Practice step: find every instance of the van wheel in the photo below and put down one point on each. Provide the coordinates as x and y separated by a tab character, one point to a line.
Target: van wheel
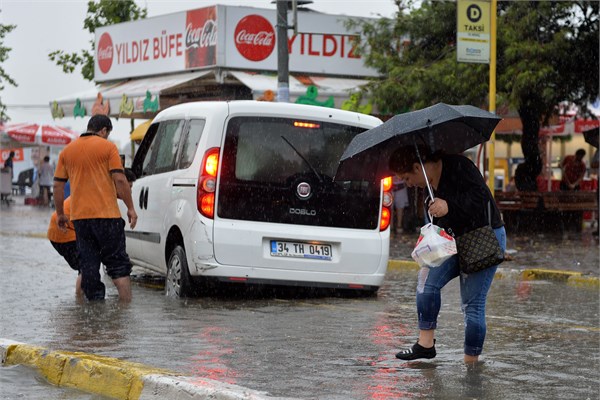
178	282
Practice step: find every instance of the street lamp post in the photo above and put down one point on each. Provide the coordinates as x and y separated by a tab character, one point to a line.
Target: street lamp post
283	72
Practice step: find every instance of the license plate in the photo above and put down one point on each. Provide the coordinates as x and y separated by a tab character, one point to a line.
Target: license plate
319	251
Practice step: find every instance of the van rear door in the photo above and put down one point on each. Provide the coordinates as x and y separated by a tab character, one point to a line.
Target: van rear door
276	188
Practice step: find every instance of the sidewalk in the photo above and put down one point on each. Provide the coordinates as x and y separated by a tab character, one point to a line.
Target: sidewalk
574	253
119	379
571	254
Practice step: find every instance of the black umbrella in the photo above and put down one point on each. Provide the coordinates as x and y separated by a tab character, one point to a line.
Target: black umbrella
591	136
452	129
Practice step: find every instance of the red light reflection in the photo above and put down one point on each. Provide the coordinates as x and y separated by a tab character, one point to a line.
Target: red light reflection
209	362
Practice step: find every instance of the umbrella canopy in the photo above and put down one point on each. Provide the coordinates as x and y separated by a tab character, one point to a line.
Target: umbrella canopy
34	134
592	136
449	128
140	131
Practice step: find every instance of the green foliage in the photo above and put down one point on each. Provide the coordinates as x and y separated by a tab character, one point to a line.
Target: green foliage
415	54
101	13
4	77
547	52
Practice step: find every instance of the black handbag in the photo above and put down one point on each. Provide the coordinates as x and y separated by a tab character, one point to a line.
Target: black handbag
479	249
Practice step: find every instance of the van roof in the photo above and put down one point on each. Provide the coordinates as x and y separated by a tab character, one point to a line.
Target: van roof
253	107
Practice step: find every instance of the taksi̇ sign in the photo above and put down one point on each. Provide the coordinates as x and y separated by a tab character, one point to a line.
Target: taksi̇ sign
473	31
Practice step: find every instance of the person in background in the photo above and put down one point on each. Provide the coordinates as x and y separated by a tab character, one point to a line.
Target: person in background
511	186
460	204
46	176
8	163
400	202
573	171
93	166
594	166
65	243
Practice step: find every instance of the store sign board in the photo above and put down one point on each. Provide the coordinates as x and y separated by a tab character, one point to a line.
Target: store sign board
473	31
329	52
223	36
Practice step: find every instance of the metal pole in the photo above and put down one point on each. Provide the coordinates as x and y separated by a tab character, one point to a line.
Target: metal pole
132	143
283	80
492	142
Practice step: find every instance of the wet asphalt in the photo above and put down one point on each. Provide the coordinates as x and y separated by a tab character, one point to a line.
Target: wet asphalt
543	337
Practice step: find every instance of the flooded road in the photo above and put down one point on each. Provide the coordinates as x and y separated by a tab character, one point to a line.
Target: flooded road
542	342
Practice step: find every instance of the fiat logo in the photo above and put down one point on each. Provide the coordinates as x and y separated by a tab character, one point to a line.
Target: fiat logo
304	190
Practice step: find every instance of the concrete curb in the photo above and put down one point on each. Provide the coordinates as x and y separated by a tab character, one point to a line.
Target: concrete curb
36	235
569	277
118	379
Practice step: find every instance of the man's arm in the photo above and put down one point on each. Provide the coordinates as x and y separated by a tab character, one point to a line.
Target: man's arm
124	193
581	175
59	197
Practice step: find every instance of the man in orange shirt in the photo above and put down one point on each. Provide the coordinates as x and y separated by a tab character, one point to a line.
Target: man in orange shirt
65	243
94	167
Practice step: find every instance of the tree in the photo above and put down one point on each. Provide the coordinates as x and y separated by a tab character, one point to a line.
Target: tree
547	53
4	77
102	13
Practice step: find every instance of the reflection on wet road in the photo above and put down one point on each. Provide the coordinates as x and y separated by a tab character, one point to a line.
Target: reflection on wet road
542	336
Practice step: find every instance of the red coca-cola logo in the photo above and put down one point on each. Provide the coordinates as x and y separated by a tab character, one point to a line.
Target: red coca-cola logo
105	53
254	38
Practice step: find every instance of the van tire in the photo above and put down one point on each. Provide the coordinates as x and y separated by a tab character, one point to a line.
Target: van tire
178	282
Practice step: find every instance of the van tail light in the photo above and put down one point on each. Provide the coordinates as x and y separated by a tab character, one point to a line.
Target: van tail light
207	182
387	200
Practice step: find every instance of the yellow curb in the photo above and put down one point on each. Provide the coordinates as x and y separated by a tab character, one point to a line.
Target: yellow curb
398	265
570	277
36	235
586	281
102	375
548	274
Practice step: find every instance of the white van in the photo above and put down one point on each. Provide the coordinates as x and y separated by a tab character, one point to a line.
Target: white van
243	191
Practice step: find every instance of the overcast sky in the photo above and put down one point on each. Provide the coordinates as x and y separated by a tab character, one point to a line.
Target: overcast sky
47	25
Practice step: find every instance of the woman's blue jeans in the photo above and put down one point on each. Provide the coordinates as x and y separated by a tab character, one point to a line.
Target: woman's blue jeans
473	293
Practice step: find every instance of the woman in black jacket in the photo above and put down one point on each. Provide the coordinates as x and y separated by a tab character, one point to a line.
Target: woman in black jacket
460	205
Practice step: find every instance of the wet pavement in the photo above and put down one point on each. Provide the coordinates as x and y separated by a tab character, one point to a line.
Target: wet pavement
570	251
543	337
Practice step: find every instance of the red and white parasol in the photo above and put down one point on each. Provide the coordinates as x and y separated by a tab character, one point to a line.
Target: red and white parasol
50	135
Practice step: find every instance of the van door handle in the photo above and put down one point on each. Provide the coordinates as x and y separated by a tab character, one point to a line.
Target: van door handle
141	200
146	198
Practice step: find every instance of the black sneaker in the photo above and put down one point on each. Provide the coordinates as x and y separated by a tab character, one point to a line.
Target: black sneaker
416	352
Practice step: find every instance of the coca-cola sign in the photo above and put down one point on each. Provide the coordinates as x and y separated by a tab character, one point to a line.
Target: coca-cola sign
254	37
201	37
105	53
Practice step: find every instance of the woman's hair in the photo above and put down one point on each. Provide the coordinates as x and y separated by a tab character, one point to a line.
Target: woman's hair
404	157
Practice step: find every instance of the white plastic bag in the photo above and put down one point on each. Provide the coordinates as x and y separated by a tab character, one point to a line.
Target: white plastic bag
433	247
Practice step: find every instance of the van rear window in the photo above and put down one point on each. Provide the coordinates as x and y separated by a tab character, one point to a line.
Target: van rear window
265	160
